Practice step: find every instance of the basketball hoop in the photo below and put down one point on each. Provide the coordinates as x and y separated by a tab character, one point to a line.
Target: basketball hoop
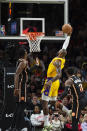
34	39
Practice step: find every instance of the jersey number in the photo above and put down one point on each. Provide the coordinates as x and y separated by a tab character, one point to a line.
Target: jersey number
81	88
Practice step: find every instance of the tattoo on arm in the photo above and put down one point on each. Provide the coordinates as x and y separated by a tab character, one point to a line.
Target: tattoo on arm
58	75
59	70
57	63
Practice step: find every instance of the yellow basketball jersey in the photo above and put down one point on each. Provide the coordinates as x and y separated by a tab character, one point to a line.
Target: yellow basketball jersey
51	72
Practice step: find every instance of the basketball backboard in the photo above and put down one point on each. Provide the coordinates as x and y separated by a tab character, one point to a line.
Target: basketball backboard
46	16
31	25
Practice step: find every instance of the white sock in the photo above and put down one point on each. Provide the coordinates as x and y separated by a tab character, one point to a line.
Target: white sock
46	120
65	109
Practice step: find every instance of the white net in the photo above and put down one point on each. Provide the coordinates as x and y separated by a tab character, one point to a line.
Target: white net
34	39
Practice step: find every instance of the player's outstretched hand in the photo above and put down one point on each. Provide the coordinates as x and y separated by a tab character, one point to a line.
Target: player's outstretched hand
69	34
67	28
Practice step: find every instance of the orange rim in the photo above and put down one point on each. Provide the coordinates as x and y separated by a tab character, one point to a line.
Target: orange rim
34	35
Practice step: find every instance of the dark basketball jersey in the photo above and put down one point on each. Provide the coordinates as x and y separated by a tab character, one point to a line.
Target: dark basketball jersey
77	89
22	79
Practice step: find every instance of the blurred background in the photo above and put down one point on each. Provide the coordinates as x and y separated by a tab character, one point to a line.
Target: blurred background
11	41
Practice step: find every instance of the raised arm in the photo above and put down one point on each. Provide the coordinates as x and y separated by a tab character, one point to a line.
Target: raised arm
66	43
66	28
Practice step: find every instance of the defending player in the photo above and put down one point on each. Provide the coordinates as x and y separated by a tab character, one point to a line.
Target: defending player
20	82
51	85
74	84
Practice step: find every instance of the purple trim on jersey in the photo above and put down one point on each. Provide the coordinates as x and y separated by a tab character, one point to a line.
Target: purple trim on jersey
46	92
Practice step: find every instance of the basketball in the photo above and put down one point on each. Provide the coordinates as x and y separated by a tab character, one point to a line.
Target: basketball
67	28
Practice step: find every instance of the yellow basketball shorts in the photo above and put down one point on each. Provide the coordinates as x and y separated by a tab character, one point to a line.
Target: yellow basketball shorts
53	90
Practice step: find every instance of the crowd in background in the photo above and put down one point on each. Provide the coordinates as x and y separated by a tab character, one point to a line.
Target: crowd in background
76	57
60	121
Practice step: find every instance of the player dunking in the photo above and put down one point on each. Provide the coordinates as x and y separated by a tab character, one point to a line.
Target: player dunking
74	84
51	85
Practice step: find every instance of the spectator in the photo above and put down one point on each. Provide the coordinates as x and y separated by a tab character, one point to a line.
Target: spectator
84	123
65	102
57	124
34	102
68	124
37	118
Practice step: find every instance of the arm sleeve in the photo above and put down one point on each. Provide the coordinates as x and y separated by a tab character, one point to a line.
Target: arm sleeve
66	43
65	92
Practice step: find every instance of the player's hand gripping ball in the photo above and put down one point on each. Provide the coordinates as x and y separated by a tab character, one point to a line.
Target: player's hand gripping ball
67	28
